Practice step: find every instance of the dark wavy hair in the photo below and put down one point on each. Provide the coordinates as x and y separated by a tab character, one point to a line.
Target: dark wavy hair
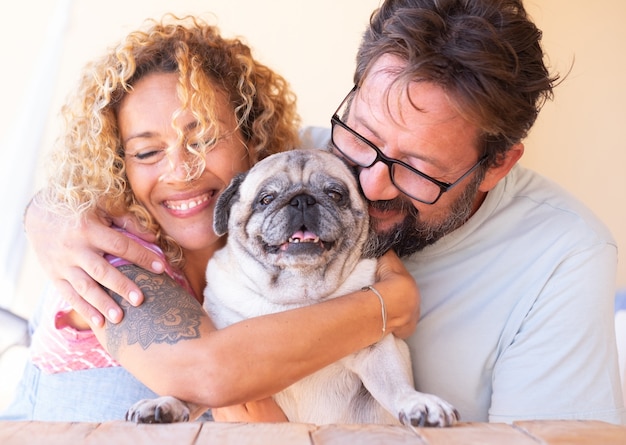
486	54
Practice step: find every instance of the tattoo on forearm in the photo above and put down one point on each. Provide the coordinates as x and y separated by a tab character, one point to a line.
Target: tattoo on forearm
168	314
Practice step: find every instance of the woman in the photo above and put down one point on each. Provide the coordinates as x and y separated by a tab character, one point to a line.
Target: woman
157	129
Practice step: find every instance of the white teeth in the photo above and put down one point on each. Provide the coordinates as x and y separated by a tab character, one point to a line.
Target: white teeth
298	240
186	205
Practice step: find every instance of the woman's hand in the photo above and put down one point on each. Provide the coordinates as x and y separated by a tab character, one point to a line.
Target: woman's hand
71	253
266	410
401	295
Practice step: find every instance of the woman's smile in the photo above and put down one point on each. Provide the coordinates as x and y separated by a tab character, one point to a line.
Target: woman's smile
189	206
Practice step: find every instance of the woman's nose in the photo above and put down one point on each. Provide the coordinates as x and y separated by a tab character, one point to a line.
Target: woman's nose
180	166
376	183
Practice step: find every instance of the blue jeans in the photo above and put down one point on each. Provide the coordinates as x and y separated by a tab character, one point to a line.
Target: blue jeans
92	395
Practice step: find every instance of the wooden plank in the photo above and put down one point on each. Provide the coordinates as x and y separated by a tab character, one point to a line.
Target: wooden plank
364	435
573	432
130	433
474	434
49	433
210	433
225	433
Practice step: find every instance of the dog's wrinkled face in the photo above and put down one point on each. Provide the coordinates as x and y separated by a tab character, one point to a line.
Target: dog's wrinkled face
299	209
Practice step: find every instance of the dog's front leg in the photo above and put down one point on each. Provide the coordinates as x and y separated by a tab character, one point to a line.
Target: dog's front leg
385	370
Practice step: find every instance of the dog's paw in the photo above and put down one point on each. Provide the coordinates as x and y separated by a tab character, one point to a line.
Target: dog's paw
160	410
427	410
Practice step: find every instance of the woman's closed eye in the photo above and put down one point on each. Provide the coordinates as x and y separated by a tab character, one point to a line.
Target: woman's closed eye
148	155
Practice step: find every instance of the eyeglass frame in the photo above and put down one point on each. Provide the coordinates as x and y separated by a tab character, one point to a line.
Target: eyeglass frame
381	157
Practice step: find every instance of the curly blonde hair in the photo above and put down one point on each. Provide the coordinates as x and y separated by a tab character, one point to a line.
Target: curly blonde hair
87	166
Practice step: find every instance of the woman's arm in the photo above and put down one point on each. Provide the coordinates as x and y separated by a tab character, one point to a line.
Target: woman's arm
170	344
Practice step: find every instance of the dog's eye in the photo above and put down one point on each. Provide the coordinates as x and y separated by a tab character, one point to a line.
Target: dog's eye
266	199
335	195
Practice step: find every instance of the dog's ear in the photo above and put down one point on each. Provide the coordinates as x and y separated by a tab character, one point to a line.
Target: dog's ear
224	202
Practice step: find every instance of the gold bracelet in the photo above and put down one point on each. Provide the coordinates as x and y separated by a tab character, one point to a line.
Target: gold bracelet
383	309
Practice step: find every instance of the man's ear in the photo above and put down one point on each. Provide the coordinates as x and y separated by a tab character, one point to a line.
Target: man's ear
496	172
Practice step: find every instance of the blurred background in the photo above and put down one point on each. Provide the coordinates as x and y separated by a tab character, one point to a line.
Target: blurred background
577	140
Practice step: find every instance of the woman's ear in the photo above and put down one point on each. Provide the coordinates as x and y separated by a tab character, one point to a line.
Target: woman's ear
499	171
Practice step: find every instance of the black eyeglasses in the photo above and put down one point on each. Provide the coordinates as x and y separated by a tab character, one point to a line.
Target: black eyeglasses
410	181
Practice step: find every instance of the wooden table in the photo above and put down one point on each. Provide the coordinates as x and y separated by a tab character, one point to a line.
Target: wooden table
122	433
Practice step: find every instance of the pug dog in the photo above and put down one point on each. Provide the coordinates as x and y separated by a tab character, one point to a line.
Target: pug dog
298	230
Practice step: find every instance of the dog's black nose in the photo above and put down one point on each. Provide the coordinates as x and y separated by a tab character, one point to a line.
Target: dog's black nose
302	202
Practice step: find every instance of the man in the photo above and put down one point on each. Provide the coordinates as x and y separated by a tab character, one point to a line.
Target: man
516	276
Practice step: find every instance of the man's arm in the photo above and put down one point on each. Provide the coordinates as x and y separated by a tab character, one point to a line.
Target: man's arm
71	253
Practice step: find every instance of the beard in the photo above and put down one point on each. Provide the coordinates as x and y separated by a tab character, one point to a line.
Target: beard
413	234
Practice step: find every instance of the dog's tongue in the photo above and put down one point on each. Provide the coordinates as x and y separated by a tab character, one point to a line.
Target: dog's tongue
301	238
304	235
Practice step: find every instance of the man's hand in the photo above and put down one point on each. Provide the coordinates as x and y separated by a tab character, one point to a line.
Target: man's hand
71	253
402	296
266	410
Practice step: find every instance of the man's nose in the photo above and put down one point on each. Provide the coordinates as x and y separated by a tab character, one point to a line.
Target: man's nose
376	183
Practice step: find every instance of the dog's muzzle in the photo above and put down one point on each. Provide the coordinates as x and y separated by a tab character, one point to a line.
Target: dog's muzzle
304	216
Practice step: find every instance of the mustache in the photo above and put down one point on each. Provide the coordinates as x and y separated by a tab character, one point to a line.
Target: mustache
400	204
397	238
